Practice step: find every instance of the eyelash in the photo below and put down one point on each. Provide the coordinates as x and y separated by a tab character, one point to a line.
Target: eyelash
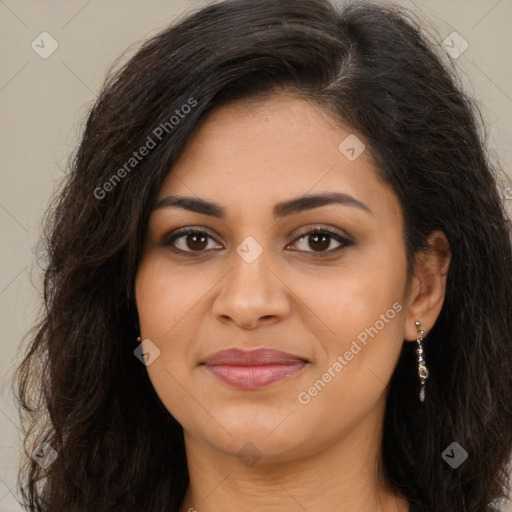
170	239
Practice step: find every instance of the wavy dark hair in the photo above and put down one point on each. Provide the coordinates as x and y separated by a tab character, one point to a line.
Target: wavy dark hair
370	66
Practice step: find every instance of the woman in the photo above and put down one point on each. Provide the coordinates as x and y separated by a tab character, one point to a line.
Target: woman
279	278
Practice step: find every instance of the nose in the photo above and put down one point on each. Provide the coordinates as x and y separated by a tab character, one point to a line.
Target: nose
252	294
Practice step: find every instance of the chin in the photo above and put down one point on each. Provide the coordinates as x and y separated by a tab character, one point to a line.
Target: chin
270	439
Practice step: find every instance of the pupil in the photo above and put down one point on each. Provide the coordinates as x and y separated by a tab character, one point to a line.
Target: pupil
323	245
202	244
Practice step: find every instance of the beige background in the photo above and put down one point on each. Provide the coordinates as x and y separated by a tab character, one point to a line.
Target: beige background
43	103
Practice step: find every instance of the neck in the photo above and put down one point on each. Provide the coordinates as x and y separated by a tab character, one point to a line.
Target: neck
335	478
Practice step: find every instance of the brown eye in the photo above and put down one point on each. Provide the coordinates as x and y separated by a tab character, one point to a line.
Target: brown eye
189	240
196	242
320	241
317	240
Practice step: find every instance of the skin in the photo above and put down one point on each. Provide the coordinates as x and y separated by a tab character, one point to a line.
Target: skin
246	157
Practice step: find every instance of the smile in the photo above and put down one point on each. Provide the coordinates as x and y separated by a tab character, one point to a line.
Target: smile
255	369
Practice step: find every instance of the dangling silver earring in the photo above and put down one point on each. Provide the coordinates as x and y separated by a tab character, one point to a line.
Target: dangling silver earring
138	339
422	368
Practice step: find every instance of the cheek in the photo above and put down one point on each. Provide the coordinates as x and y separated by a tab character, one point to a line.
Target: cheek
361	332
352	299
165	298
170	305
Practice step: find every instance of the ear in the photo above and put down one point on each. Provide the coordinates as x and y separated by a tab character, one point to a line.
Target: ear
428	285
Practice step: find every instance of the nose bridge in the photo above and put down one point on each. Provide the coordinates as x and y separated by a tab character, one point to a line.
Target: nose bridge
251	291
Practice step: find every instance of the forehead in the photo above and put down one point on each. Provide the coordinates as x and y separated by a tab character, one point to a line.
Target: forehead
252	154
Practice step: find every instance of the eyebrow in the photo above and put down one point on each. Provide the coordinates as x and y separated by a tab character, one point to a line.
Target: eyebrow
282	209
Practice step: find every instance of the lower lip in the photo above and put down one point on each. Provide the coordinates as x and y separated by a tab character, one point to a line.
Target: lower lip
254	377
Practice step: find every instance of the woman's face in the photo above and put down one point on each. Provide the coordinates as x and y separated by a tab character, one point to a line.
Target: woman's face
257	276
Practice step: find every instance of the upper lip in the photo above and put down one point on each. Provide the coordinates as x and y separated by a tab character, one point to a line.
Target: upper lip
256	357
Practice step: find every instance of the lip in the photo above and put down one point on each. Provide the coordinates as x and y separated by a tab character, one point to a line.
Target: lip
253	369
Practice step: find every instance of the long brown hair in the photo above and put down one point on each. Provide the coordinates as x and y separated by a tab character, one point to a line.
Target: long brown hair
80	387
